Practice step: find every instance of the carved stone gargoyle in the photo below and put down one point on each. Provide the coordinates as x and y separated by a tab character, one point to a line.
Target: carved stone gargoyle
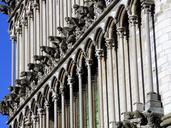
45	60
4	9
100	5
60	45
23	83
84	12
51	51
138	119
11	4
74	21
19	91
38	68
9	102
4	110
30	76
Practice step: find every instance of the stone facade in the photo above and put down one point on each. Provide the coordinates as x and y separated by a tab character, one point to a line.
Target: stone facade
89	64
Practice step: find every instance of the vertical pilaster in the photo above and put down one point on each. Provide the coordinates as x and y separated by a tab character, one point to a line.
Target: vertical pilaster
79	73
90	110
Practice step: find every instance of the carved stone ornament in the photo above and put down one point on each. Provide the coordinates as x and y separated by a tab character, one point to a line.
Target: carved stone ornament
140	120
9	6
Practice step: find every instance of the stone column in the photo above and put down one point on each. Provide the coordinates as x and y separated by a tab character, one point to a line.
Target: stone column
18	28
62	105
55	16
70	83
90	111
21	65
13	40
23	44
47	113
35	121
100	54
133	20
110	83
51	17
31	35
79	73
55	100
37	26
26	43
146	7
153	101
41	113
121	69
44	27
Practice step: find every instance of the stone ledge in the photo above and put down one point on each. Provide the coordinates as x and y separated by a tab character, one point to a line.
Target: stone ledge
166	121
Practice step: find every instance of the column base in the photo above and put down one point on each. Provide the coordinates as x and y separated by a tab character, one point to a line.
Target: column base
166	121
138	107
153	103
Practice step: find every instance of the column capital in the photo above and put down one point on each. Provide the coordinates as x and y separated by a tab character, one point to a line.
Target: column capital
46	104
29	13
61	89
24	21
19	29
99	53
120	31
40	111
70	80
133	19
79	71
36	5
109	42
146	5
55	96
35	118
89	62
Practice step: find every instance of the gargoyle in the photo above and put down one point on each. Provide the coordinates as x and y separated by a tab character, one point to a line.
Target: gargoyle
69	33
56	39
79	23
100	4
19	91
9	102
66	31
4	110
30	76
154	119
4	9
48	50
23	83
125	124
39	68
84	11
45	60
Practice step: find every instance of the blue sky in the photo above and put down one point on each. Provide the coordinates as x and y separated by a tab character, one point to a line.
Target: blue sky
5	63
